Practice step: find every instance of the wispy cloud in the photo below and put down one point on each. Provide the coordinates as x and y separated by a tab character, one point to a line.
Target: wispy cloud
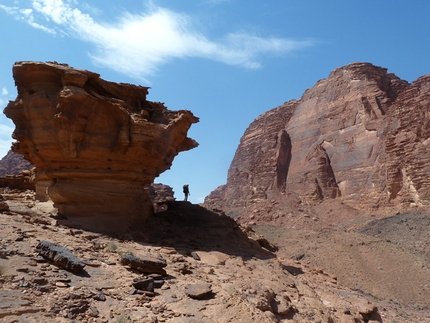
138	44
4	91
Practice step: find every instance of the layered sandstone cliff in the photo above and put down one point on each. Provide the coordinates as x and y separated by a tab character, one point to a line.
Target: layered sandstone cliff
95	143
361	135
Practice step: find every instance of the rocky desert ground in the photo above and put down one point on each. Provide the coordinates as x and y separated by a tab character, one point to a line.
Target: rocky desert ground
215	269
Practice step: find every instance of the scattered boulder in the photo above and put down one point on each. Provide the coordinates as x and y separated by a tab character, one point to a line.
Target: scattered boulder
60	256
145	264
281	305
144	283
198	291
3	206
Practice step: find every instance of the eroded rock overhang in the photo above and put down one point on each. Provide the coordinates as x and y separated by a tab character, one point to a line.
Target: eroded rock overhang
95	143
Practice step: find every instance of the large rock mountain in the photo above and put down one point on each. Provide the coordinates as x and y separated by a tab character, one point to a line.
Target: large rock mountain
95	143
361	135
13	164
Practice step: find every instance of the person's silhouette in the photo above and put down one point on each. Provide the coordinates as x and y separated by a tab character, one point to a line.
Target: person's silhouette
186	192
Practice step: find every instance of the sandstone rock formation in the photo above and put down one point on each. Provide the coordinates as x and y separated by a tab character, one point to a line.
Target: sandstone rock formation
160	193
95	143
361	135
25	180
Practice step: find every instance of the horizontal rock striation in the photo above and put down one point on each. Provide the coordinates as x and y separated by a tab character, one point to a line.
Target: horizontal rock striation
95	143
361	135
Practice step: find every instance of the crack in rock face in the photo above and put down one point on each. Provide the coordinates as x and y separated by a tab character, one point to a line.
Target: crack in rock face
95	143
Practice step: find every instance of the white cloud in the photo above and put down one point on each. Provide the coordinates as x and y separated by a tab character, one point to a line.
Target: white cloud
26	15
4	91
138	45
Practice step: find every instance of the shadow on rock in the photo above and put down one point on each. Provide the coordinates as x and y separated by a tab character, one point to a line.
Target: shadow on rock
188	227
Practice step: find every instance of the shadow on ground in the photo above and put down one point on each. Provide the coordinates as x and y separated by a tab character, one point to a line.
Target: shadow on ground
190	227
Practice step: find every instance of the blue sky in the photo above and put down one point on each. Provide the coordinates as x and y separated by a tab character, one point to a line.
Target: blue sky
227	61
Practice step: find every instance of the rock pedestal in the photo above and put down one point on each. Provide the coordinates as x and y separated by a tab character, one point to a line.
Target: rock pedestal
95	143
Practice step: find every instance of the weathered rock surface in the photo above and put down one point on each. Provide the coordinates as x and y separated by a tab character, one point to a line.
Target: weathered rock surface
95	143
25	180
360	135
60	256
198	291
159	193
145	264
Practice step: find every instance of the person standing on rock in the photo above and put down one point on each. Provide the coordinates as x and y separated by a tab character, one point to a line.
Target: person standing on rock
186	192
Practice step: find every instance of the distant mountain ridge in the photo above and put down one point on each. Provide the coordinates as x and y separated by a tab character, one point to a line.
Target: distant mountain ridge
13	164
361	135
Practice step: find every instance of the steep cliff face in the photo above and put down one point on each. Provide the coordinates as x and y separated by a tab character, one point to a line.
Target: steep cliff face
95	143
360	135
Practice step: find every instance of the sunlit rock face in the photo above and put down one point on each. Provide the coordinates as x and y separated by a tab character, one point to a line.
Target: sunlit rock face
95	143
361	135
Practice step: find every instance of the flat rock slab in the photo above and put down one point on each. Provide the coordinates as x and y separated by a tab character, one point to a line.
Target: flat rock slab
198	291
17	207
12	303
145	264
60	256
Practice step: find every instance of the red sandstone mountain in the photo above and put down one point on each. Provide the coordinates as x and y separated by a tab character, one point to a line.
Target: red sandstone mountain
361	136
13	164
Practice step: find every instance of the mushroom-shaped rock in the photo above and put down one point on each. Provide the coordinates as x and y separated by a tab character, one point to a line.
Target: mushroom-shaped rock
95	143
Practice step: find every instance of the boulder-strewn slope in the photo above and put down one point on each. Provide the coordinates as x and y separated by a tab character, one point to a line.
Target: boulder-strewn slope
214	272
95	143
361	135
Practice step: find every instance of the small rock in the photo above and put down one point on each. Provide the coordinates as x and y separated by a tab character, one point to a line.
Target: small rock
91	262
61	284
32	262
100	297
281	305
198	291
22	269
39	280
195	255
132	291
145	264
93	311
158	283
39	260
146	284
4	206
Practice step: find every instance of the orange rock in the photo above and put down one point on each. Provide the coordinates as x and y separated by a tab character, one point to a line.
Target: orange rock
362	135
95	143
